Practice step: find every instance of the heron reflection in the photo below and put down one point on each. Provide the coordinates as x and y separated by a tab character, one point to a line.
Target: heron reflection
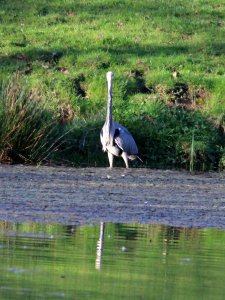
100	247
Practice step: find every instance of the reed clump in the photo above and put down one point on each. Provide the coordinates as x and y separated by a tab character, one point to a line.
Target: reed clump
28	130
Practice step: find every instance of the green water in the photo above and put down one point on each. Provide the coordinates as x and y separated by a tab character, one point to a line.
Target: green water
111	261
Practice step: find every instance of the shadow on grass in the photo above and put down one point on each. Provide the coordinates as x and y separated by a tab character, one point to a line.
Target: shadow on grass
171	138
176	136
118	52
26	57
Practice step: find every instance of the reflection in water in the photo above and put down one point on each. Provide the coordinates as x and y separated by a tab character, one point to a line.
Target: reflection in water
61	262
100	247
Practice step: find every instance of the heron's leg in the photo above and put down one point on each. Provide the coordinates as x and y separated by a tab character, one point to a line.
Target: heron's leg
110	157
125	158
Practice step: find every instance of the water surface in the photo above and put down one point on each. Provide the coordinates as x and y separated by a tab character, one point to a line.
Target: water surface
111	261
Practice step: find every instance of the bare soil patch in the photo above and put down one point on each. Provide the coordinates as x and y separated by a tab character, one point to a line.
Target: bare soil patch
84	196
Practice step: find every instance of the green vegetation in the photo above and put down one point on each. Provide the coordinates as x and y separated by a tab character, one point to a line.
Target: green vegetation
168	59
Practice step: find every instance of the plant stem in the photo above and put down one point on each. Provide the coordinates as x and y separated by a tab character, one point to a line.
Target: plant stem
192	152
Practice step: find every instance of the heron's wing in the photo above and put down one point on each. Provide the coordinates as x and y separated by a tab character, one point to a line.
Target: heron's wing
124	140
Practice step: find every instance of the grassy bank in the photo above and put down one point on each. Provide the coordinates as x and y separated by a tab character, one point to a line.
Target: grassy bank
168	59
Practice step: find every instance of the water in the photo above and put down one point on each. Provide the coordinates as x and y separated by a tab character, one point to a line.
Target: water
111	261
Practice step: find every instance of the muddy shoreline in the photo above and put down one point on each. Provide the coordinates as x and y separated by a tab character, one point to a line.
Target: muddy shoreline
85	196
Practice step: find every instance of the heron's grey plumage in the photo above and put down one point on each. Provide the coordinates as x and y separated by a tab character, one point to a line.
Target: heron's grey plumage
116	140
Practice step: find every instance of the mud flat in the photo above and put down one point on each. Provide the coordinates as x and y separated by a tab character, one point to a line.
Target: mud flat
85	196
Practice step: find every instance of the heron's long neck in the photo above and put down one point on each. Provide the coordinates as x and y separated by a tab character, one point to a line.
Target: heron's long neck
109	107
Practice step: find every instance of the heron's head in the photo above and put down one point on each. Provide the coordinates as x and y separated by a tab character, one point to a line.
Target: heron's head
109	76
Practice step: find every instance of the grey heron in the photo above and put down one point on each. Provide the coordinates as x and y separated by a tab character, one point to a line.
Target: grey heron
116	140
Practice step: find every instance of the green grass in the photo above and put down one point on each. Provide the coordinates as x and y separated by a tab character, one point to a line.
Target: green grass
168	59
